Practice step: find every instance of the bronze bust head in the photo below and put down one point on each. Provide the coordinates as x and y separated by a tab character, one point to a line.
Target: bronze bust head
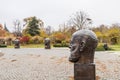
47	43
82	46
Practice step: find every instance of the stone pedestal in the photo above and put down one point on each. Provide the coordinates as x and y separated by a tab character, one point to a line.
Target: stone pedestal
84	71
17	44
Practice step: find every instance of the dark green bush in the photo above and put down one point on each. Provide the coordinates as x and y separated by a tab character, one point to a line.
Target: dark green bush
58	41
60	45
101	48
3	45
57	45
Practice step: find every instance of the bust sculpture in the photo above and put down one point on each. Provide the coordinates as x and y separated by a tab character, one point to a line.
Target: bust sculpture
82	46
82	49
17	43
47	43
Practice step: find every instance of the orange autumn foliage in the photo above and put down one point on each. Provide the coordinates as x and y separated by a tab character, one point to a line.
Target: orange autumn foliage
2	31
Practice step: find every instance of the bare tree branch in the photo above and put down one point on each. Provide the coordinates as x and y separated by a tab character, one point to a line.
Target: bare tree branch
80	20
17	28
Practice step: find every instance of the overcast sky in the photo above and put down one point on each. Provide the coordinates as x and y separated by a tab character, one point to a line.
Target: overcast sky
55	12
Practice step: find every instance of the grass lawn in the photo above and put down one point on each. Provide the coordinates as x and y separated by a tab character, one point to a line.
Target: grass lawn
99	48
33	46
29	46
111	47
115	47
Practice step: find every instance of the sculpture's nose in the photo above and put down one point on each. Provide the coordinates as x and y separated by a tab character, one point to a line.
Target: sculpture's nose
73	59
69	46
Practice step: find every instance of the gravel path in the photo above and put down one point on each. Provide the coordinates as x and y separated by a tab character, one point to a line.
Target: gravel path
41	64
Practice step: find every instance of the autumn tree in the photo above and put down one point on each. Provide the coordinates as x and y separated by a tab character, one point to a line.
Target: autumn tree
43	33
108	34
102	33
114	34
5	28
7	32
2	31
64	33
59	37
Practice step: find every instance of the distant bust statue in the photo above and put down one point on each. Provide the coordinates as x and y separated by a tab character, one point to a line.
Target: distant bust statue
47	43
82	46
17	43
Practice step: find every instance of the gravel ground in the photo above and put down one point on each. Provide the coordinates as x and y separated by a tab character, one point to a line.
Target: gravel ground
41	64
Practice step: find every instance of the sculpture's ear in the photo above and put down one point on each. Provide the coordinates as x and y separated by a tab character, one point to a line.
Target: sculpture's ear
82	45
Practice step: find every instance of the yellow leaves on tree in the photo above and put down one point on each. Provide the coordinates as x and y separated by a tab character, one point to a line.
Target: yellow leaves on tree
114	32
99	34
43	34
2	31
60	36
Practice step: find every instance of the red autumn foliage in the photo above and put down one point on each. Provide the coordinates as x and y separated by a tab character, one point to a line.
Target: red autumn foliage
24	39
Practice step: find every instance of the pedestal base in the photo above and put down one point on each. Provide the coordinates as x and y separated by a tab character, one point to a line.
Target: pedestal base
84	71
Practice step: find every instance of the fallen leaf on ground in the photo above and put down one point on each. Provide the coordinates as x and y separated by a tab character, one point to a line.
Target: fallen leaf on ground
97	78
13	60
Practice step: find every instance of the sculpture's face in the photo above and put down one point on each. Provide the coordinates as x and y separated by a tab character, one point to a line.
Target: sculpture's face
82	41
76	47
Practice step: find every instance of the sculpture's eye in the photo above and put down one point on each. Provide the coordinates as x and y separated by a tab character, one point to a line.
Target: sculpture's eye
73	47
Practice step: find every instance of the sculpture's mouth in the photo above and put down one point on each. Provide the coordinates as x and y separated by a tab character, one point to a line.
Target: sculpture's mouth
73	59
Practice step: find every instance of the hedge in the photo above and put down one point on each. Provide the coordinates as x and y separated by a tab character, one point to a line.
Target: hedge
3	45
60	45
